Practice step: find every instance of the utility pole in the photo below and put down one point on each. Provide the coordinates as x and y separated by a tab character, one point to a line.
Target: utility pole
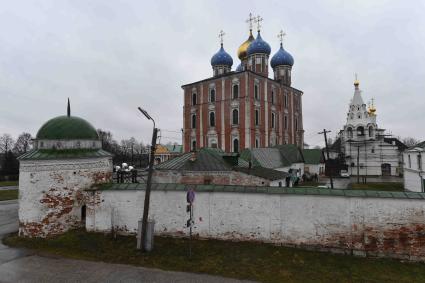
327	154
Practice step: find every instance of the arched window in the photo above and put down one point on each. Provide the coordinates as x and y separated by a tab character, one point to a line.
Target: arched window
273	120
370	131
193	145
285	122
235	145
285	102
296	124
257	117
273	98
212	95
193	121
256	92
257	143
193	98
360	131
235	117
212	119
349	133
235	91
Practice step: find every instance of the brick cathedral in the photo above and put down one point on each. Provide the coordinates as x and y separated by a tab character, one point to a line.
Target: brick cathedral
244	108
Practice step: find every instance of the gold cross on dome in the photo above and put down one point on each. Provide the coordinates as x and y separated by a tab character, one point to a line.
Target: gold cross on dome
221	35
280	35
258	20
250	20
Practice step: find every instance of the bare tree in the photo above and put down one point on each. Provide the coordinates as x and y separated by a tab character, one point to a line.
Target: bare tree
23	143
6	143
409	141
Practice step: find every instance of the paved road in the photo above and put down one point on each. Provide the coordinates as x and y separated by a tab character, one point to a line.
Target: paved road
21	266
4	188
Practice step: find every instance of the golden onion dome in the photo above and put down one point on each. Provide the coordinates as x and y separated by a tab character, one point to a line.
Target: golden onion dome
242	50
356	82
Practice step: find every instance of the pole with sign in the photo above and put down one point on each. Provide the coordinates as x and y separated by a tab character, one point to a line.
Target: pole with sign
190	198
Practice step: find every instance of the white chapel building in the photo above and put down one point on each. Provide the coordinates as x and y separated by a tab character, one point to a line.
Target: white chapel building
365	147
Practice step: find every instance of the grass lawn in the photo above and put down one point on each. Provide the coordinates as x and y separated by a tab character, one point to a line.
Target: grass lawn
8	194
392	187
8	183
244	260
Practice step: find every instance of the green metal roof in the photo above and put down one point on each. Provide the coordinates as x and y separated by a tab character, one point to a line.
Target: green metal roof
174	148
273	157
67	128
312	156
48	154
206	159
267	190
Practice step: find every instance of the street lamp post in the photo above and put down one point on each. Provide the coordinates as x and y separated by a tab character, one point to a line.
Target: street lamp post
141	238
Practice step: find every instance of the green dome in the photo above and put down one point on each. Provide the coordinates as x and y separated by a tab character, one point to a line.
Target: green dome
67	128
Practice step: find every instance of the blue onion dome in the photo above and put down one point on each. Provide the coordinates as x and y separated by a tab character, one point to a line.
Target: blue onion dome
282	57
259	46
221	58
239	68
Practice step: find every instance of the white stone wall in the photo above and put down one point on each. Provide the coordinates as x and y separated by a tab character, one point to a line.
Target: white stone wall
51	192
374	226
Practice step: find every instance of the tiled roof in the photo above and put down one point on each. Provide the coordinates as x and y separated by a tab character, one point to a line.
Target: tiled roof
291	153
262	189
312	156
48	154
265	173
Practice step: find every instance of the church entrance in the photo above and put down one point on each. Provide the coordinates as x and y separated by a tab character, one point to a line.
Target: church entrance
386	169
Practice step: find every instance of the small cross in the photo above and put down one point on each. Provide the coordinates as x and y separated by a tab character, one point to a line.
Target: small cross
258	20
221	35
280	35
250	20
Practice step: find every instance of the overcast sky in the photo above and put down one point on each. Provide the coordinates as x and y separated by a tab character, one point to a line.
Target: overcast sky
111	56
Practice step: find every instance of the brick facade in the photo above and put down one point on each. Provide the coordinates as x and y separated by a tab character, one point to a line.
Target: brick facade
223	132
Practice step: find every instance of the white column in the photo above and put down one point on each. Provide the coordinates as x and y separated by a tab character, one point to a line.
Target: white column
201	137
266	111
247	114
223	131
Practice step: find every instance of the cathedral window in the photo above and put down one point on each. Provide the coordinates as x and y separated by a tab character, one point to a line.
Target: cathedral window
235	117
350	133
235	91
273	98
193	121
360	131
257	142
372	150
285	122
193	98
193	145
370	131
212	119
212	95
256	92
273	124
285	101
257	117
235	145
296	124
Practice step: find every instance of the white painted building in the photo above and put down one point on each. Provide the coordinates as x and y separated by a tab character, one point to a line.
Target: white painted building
67	159
414	168
367	149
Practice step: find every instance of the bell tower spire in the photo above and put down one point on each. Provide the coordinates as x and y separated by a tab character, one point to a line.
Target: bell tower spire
68	109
